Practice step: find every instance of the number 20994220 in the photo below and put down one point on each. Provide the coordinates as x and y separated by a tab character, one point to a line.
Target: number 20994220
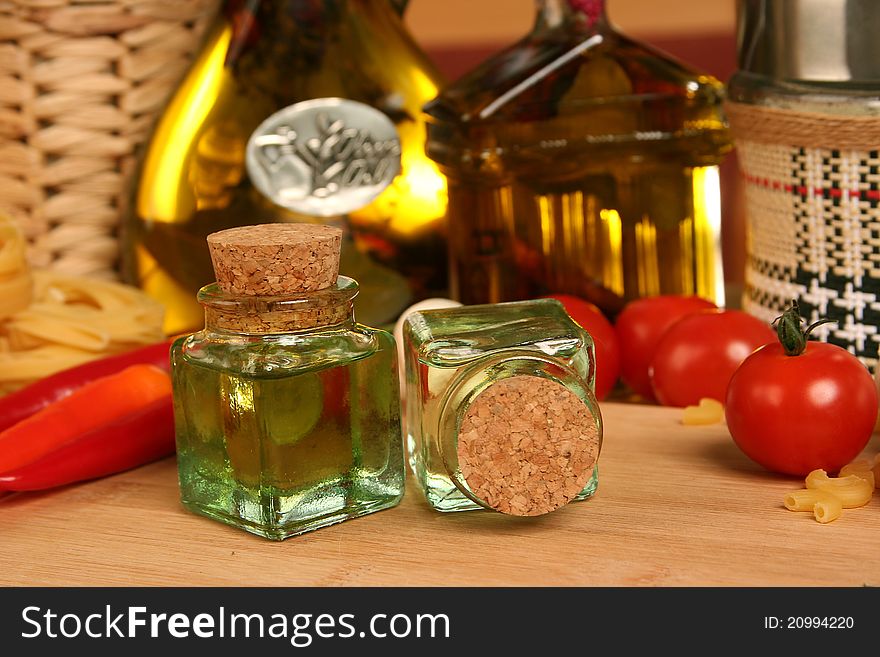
808	622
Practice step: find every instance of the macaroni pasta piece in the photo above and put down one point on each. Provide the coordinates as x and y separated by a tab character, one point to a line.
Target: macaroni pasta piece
852	491
861	469
806	499
710	411
827	509
859	464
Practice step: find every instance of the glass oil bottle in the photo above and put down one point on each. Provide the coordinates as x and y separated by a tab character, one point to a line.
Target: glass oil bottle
500	411
261	60
286	410
581	162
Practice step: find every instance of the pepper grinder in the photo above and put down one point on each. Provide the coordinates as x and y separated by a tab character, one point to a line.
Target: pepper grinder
804	108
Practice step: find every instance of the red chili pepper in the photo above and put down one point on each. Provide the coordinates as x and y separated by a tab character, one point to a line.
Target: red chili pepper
95	404
23	403
127	442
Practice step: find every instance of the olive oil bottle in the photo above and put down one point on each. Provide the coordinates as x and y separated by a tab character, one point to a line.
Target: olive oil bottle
580	161
239	144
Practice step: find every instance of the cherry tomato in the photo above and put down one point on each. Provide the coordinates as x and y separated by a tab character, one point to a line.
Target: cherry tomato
795	411
600	329
699	353
639	328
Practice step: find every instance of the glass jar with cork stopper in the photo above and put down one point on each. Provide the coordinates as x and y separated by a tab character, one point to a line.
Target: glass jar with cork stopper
500	410
286	409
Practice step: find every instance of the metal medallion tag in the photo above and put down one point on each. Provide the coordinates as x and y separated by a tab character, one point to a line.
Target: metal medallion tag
324	157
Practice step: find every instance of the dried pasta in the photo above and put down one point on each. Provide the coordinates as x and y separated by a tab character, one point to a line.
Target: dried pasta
857	465
852	491
805	499
51	321
825	506
827	496
859	468
827	509
16	286
709	411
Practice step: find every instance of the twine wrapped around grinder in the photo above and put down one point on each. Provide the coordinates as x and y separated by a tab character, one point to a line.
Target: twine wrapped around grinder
812	183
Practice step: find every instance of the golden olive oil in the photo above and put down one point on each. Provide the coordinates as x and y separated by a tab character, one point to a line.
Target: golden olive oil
260	57
581	162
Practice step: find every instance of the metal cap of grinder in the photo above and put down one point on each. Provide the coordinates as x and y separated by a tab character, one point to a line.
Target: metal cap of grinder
810	40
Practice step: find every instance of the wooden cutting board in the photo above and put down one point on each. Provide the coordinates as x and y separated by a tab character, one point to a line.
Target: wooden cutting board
676	506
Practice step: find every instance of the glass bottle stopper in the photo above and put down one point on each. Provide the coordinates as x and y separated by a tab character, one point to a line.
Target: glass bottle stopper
274	260
527	445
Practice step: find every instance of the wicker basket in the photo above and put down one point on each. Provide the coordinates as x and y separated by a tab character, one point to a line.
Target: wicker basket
80	85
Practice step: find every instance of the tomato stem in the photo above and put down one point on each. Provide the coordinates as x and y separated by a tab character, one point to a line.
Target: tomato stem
791	332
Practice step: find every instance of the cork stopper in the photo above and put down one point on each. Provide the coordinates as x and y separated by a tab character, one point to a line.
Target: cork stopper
527	445
275	259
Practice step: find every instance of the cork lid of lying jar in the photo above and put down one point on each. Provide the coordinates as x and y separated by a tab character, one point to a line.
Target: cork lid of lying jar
527	445
275	259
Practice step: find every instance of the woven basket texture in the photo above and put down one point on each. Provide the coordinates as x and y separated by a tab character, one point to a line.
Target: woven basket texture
814	227
81	83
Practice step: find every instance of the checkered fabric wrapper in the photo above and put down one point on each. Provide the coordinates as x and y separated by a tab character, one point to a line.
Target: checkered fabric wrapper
813	204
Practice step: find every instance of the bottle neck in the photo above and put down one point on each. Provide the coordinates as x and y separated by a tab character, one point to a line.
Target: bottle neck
308	14
301	31
253	315
553	13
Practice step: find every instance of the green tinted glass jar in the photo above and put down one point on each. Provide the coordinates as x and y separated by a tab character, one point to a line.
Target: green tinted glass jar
500	411
286	409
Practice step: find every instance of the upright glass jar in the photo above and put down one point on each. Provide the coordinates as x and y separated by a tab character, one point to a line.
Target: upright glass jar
580	161
804	108
287	410
500	410
261	62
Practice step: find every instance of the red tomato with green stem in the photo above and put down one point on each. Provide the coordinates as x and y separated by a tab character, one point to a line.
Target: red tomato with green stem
697	356
639	328
600	329
795	406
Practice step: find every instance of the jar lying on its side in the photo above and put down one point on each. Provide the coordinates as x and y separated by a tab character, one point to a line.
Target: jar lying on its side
287	410
500	410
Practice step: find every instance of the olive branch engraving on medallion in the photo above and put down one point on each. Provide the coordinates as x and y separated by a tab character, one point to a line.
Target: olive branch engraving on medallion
324	157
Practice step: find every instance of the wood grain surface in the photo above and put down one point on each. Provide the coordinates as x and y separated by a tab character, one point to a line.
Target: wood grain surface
676	506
